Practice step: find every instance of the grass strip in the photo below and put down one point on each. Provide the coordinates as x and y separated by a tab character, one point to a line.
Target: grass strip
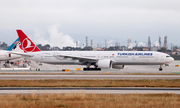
90	83
83	100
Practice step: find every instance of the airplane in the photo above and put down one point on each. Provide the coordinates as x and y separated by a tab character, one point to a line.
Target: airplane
6	56
100	59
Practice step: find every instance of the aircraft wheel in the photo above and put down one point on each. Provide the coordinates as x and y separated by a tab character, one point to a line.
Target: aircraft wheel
91	69
85	69
160	69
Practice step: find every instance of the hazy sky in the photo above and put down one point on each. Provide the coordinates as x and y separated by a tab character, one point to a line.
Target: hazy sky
63	22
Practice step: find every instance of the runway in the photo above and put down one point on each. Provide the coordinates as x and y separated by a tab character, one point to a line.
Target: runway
81	77
99	90
49	68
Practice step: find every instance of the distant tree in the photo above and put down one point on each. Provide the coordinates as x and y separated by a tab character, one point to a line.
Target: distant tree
111	48
4	46
44	48
163	49
47	46
140	48
39	46
175	48
175	56
89	48
68	48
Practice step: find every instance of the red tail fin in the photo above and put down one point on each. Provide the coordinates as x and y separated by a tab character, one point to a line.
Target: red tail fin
26	44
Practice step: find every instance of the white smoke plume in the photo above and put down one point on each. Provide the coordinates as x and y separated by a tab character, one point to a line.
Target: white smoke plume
156	44
56	38
131	45
79	43
141	44
109	43
39	38
60	39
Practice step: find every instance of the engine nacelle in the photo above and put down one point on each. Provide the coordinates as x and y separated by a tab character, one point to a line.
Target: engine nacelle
117	66
105	64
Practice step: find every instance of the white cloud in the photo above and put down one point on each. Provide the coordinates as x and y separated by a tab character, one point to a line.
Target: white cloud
30	12
115	18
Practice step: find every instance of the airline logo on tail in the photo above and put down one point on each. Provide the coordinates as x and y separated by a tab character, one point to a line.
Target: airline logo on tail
13	45
26	44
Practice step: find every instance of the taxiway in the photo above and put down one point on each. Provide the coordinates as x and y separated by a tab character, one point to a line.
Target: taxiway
99	90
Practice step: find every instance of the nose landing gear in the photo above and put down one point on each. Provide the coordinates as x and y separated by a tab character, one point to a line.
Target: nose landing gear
160	69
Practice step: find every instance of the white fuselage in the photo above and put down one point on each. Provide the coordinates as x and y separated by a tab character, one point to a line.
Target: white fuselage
118	57
4	55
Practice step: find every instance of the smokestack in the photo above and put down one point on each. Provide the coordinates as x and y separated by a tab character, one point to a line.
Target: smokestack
76	44
165	42
149	42
97	45
92	43
116	44
129	42
86	41
159	42
136	43
105	43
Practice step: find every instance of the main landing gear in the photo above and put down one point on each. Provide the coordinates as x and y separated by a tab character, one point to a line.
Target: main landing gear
160	69
91	69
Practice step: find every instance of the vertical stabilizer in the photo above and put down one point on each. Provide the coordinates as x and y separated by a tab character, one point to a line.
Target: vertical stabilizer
13	45
26	44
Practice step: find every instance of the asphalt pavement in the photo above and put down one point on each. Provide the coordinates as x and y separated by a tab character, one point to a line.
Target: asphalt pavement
97	90
83	77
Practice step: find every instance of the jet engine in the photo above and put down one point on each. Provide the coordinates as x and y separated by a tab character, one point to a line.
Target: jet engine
105	64
118	66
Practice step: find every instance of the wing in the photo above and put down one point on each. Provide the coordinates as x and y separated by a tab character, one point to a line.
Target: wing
77	57
22	54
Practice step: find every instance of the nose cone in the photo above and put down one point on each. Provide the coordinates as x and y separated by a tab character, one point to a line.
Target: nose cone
172	59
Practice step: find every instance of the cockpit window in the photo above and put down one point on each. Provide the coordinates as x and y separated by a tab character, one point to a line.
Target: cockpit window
168	56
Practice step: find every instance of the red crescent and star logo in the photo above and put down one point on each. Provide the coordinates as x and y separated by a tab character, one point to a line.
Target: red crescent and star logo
27	45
